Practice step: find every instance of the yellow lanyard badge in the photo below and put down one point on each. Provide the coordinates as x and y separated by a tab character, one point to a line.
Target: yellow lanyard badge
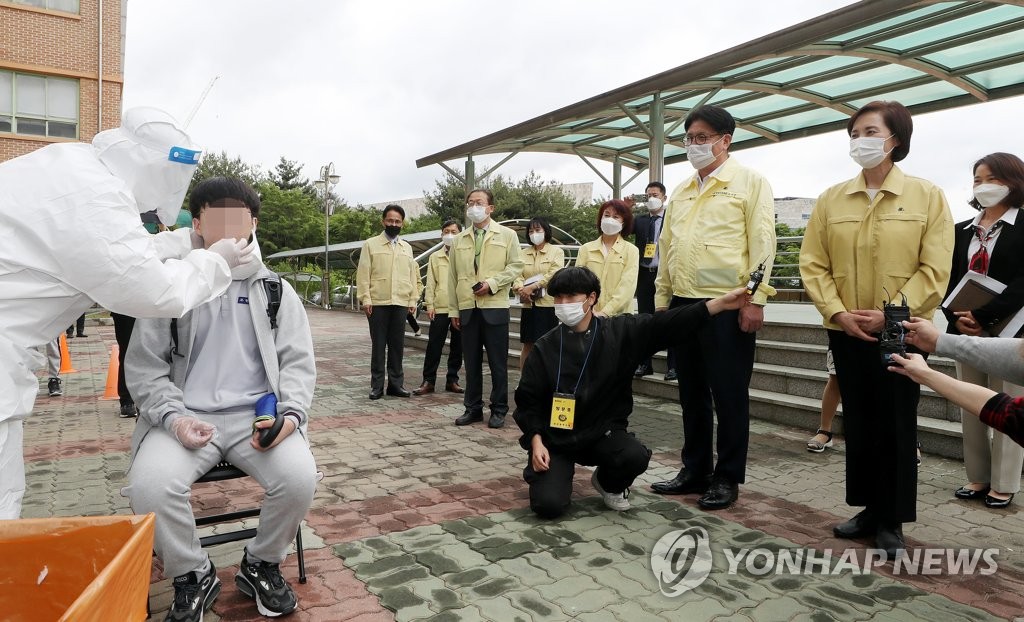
649	250
563	405
563	411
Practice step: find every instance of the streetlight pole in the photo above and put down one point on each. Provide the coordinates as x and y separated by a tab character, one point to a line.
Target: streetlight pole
328	178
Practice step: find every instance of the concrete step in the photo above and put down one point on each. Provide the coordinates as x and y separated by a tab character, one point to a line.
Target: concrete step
792	332
809	383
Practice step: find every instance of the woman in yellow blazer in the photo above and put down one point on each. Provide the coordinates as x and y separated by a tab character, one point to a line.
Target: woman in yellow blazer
880	236
541	261
614	260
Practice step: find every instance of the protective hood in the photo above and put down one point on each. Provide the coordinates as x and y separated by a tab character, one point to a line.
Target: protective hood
153	156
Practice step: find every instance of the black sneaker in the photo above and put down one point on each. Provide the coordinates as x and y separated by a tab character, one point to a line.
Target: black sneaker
129	411
53	386
263	581
193	596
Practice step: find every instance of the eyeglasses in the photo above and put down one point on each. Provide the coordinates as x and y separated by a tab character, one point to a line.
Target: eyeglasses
477	203
698	139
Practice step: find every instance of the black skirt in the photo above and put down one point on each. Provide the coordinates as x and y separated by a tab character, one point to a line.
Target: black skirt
535	322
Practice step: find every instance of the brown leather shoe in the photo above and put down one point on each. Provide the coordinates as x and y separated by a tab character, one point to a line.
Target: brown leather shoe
423	389
453	387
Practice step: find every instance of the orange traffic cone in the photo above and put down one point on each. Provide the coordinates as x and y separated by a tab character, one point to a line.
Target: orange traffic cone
110	393
65	357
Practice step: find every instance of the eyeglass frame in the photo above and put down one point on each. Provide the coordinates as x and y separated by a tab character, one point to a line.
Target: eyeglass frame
699	139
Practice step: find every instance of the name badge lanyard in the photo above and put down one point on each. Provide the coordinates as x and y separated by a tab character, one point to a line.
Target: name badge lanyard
561	343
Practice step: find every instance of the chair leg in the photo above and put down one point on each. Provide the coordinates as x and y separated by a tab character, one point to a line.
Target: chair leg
302	558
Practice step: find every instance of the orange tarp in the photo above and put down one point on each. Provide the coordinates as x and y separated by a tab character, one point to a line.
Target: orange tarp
82	569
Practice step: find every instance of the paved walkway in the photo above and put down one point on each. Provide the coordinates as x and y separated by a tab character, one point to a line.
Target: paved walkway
418	519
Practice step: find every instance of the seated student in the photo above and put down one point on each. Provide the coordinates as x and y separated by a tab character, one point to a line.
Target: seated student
575	395
197	384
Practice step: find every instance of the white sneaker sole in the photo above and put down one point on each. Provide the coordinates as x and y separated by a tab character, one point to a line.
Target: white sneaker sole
242	582
611	501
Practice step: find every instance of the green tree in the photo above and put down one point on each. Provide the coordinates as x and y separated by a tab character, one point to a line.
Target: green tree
289	219
287	175
525	198
223	165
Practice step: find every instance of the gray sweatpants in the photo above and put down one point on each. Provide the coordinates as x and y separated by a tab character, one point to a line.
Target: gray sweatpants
162	473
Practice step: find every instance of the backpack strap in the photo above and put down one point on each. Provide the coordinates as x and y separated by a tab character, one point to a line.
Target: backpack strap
272	284
174	336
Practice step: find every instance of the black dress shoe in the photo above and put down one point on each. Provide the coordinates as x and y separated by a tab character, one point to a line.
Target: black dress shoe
398	392
996	503
890	540
376	394
860	526
684	483
964	492
81	335
469	417
671	375
642	371
721	494
423	389
496	421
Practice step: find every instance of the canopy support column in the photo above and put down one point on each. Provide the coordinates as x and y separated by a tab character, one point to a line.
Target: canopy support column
617	178
657	151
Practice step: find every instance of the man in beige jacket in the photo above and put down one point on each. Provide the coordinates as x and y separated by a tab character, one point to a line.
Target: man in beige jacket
484	261
388	286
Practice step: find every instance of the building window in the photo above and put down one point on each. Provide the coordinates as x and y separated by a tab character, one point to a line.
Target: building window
67	6
38	105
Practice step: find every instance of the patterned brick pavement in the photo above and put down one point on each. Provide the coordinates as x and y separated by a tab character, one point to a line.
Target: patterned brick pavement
418	519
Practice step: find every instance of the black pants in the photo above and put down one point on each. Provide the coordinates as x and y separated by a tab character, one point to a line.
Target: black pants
619	456
880	424
79	326
719	360
477	335
645	304
413	322
123	326
440	328
387	334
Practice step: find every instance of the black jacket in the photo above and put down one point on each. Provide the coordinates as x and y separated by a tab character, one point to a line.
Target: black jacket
1005	266
604	399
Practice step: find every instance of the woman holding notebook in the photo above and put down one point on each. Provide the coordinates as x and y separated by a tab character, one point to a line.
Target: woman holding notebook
992	244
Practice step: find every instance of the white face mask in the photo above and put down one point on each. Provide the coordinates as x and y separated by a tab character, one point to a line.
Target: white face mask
869	151
537	238
477	213
988	195
570	313
610	226
448	238
700	155
654	204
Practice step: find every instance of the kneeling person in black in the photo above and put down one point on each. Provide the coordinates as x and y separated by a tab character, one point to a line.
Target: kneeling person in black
575	396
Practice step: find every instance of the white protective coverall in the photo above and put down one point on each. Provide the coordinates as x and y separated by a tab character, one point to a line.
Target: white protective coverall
70	234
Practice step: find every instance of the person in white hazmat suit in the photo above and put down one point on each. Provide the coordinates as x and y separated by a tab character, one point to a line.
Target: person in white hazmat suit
71	234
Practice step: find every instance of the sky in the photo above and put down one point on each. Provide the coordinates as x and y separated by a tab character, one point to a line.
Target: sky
372	85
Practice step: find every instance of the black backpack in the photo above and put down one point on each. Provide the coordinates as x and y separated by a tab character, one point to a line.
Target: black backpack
271	284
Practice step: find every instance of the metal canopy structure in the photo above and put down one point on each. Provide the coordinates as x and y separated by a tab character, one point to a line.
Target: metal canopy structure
804	80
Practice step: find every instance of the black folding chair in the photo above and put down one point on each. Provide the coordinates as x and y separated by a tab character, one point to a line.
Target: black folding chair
223	471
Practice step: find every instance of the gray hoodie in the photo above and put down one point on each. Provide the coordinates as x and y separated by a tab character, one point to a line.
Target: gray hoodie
156	376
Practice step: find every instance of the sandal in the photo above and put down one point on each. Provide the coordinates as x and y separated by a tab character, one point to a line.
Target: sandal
815	446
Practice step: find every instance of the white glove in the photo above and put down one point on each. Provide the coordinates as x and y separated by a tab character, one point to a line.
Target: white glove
191	432
235	252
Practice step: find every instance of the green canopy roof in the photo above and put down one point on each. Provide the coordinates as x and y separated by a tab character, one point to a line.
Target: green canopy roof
806	79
